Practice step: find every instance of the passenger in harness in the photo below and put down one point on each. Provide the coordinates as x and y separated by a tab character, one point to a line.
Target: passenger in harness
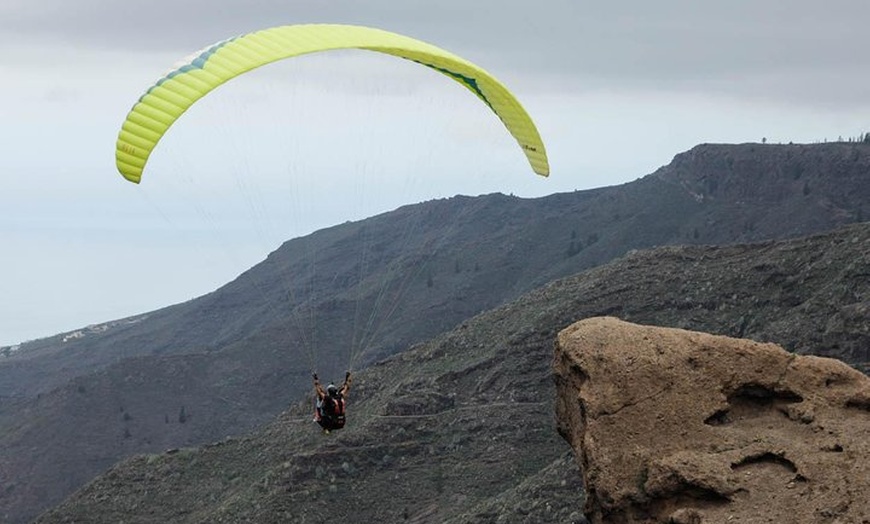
329	409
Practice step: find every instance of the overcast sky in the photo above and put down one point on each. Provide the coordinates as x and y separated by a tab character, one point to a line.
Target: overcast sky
616	88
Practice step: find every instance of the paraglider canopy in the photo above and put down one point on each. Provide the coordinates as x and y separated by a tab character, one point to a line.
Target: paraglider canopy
164	102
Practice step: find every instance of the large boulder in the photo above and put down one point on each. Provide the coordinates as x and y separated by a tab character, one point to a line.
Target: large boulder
676	426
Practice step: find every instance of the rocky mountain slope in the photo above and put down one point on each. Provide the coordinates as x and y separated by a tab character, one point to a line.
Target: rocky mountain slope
461	429
469	255
358	292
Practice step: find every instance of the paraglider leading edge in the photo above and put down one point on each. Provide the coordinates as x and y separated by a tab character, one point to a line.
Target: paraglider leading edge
164	102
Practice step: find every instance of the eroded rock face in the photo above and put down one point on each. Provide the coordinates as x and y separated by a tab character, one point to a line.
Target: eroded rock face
678	426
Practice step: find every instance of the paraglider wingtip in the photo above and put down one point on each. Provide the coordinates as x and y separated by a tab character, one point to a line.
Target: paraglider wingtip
131	178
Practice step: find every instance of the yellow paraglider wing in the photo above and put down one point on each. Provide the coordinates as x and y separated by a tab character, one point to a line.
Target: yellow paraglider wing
165	101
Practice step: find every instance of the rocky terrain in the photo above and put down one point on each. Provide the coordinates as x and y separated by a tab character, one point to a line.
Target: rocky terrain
461	428
678	426
350	295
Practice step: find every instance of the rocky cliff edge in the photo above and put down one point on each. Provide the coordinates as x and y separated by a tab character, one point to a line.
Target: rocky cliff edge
677	426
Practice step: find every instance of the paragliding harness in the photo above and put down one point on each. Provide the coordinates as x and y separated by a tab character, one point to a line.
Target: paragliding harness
332	412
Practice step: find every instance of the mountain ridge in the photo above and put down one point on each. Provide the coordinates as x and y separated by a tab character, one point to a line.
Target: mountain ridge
461	428
426	268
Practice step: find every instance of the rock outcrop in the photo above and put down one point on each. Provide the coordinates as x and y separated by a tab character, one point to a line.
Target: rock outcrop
677	426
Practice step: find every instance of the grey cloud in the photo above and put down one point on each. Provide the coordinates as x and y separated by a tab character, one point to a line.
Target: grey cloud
791	50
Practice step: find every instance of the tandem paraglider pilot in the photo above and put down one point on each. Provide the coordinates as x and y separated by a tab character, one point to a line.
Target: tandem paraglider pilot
329	409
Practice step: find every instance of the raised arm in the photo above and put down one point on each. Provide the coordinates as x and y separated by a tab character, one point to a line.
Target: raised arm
346	386
318	387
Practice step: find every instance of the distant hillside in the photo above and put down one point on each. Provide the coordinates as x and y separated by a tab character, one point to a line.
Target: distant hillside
461	429
753	180
359	292
472	254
